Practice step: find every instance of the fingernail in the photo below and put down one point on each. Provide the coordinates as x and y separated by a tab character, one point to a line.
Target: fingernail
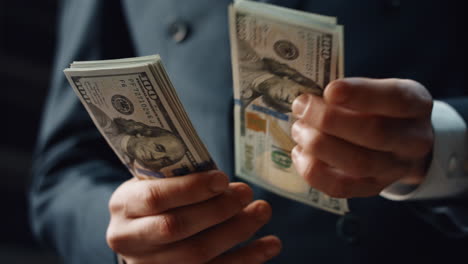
300	105
219	182
262	212
334	92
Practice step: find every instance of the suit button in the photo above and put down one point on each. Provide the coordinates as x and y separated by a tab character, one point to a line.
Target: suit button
179	31
348	227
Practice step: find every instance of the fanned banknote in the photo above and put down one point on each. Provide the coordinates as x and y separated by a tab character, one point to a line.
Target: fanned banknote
278	54
135	107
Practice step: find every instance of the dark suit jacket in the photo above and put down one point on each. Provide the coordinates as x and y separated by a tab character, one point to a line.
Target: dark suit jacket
76	172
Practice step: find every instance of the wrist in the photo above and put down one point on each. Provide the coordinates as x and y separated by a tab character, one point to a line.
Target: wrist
444	177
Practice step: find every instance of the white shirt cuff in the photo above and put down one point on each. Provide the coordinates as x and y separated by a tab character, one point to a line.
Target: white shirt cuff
447	175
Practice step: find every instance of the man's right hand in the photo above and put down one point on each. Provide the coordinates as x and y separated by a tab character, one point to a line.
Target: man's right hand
190	219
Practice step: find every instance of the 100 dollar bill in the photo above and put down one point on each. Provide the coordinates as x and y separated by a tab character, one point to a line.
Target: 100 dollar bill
278	54
134	106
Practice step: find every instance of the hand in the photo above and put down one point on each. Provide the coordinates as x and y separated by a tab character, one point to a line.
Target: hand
363	135
189	219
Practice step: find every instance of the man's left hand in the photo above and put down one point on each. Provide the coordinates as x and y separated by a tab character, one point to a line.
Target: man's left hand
363	135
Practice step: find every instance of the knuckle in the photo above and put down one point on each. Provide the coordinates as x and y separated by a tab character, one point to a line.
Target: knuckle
152	196
300	161
169	226
423	96
316	141
116	204
153	193
295	153
414	95
313	171
404	85
116	240
413	85
405	90
296	130
396	84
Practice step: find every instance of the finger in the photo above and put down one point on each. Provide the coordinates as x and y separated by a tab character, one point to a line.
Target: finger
387	97
183	222
150	197
259	251
215	241
331	181
369	131
353	160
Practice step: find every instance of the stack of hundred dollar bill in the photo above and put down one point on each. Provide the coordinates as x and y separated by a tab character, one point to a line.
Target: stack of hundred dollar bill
135	107
278	54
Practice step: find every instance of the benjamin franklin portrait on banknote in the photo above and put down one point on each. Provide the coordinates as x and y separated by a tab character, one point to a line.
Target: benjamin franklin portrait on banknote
276	83
146	149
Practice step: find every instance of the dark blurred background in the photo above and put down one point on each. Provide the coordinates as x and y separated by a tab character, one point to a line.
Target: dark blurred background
27	40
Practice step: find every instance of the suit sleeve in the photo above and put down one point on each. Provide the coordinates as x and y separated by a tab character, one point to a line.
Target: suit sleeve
74	171
441	198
